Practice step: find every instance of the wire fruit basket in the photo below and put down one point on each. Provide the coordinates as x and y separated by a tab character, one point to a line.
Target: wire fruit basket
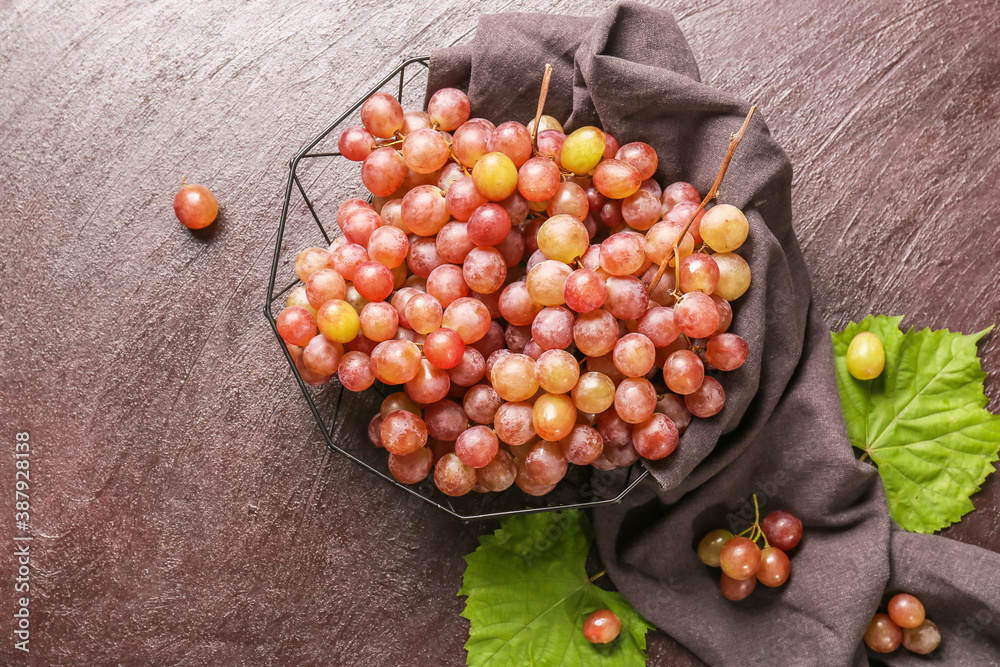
342	416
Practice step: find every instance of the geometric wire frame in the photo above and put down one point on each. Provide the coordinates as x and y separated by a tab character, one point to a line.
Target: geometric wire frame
345	427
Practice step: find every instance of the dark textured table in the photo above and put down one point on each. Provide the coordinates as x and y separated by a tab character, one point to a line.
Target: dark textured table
185	510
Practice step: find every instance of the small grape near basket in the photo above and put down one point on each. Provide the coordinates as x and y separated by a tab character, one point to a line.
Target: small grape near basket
633	260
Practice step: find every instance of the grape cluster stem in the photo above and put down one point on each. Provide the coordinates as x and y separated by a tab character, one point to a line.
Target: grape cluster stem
756	532
541	104
734	141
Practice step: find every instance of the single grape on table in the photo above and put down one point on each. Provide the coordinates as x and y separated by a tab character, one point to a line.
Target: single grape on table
502	281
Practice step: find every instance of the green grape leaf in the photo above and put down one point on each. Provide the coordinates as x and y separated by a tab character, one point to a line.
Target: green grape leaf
923	421
528	595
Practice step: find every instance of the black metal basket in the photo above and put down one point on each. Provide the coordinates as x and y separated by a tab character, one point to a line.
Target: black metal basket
342	416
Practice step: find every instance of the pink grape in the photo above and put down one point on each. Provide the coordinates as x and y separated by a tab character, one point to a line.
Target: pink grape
424	211
727	352
635	400
660	238
396	361
492	341
922	639
634	355
488	225
444	348
321	356
310	261
707	400
699	272
388	246
602	627
655	437
513	424
469	317
425	151
356	143
429	385
681	214
517	337
423	256
569	199
382	115
476	446
445	420
584	291
383	171
622	254
882	635
359	225
446	283
611	147
735	590
658	325
412	468
641	210
499	473
673	406
513	140
740	558
678	192
545	463
355	372
517	306
683	372
582	445
452	477
538	179
469	370
296	326
595	333
725	314
423	313
627	297
462	198
553	328
783	529
512	247
696	315
550	143
481	403
641	156
546	281
403	432
448	108
617	179
379	321
414	120
324	285
774	567
347	257
471	141
373	281
513	378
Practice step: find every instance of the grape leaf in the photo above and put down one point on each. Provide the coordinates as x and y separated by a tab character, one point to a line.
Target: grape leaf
528	595
923	421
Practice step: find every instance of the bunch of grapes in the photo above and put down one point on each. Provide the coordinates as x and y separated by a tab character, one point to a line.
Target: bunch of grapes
743	562
906	624
510	282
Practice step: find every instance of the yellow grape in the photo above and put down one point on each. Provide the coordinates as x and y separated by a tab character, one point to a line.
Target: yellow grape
865	356
582	150
734	275
724	228
563	238
495	176
338	321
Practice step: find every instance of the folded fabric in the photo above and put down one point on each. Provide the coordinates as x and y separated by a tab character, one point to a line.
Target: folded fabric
782	433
